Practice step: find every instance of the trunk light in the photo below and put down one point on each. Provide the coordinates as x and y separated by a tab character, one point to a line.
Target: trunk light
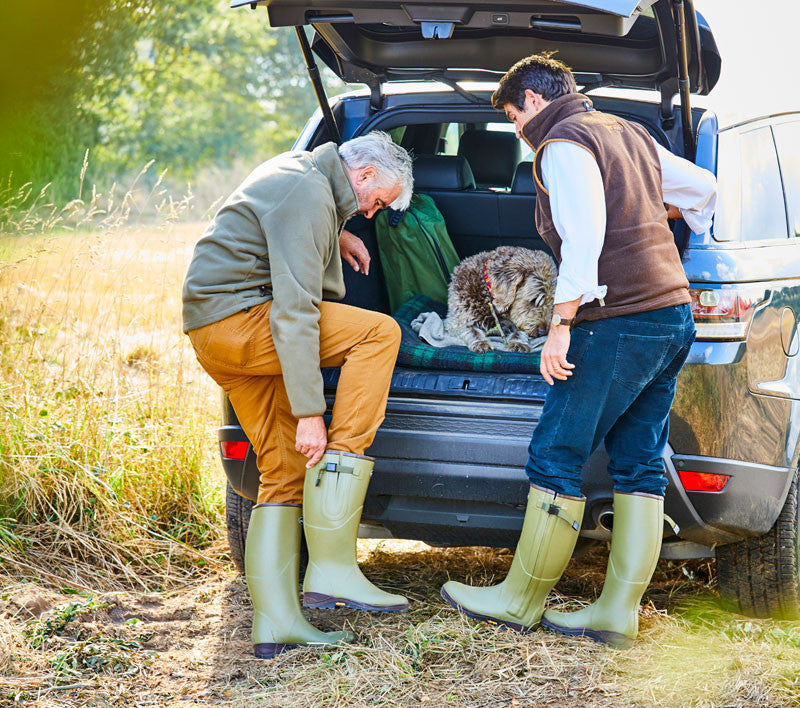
724	313
234	449
702	481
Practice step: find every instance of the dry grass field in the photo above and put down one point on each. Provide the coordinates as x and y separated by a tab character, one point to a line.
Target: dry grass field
115	586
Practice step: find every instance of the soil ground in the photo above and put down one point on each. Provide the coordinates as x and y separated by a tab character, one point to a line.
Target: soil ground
191	647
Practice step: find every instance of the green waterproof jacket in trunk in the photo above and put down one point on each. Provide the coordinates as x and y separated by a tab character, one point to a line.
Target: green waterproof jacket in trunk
417	255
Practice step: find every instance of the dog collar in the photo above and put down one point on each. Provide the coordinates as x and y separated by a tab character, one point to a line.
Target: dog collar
486	279
491	300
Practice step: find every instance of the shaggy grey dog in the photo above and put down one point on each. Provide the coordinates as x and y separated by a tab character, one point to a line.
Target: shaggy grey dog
516	282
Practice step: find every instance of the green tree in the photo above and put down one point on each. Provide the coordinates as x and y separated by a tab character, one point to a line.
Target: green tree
185	84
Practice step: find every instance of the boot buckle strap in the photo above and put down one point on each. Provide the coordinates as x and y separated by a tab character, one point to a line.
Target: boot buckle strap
558	511
337	467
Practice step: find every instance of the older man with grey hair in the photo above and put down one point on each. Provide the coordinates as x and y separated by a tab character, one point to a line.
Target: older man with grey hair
255	306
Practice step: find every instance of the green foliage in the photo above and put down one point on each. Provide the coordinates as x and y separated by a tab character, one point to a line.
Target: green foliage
39	631
76	652
101	654
188	85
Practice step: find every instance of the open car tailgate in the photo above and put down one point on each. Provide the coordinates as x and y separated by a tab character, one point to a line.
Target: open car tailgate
610	42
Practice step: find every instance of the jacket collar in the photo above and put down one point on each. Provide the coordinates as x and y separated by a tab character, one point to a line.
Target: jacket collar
535	130
327	161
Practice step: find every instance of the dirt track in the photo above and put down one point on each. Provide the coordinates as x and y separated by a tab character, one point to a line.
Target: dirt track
191	647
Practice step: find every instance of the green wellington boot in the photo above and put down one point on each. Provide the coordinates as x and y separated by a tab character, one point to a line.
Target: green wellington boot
635	546
333	497
548	537
272	563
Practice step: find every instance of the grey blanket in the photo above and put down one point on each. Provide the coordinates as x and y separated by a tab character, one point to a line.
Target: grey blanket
431	329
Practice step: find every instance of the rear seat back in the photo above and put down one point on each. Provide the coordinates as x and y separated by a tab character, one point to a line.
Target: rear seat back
492	155
523	179
450	173
479	220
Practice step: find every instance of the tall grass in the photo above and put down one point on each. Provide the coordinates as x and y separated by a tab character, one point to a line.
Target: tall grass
108	475
26	209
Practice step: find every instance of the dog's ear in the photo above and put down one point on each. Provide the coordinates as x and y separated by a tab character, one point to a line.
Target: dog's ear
506	276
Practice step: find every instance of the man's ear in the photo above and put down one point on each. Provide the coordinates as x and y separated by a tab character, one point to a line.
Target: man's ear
533	99
367	173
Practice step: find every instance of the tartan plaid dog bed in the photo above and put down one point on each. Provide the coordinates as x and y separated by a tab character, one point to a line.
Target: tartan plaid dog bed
417	354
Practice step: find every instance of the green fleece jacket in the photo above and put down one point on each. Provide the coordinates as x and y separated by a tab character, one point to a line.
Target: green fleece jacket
277	237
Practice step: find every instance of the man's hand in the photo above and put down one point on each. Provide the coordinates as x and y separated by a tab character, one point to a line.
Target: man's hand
673	212
354	252
554	364
311	439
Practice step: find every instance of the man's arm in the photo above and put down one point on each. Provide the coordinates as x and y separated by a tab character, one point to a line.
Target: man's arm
688	187
298	244
578	204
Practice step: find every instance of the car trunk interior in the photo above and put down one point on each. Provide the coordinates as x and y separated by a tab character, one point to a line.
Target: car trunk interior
480	176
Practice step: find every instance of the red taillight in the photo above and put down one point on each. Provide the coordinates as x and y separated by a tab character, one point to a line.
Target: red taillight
724	313
234	449
702	481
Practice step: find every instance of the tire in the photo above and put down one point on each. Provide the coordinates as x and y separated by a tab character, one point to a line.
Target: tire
760	576
237	519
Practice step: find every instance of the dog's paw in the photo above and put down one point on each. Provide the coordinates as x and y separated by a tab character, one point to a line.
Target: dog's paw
520	347
480	346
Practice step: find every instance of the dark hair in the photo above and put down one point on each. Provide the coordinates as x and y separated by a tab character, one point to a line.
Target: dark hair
541	74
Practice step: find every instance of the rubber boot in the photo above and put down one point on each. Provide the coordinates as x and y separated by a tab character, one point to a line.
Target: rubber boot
333	496
272	563
548	537
635	546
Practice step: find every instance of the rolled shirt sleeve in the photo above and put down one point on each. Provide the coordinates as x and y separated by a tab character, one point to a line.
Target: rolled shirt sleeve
299	244
578	204
690	188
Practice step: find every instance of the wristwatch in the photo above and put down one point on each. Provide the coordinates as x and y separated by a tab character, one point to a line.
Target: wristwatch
559	320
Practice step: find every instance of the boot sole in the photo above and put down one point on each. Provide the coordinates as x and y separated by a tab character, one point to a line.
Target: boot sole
613	639
318	601
270	650
494	621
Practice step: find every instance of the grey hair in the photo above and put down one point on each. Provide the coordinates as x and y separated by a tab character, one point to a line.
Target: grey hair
391	162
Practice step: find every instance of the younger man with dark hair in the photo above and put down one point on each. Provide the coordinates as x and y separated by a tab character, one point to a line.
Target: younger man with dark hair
621	331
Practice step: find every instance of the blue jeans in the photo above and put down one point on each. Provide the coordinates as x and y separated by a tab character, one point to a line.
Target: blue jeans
620	391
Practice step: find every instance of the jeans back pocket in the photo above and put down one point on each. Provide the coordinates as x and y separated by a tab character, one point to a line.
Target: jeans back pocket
640	358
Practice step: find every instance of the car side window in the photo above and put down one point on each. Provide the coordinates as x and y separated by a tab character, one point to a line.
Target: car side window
787	138
763	213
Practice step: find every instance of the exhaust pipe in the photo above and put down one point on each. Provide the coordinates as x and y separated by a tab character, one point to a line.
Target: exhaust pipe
603	514
606	518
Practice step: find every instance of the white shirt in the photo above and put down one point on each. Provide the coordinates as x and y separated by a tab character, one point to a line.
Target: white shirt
578	204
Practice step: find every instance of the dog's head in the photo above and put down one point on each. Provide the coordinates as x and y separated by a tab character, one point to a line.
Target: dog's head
523	285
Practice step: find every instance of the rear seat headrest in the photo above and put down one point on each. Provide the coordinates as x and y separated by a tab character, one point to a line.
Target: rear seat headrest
492	154
523	179
442	172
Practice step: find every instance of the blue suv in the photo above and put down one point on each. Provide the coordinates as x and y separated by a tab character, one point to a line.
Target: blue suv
451	450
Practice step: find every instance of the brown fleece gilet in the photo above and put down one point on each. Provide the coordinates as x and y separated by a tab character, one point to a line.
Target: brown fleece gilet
639	262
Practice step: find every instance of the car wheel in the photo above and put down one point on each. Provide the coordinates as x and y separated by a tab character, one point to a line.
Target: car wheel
760	576
237	518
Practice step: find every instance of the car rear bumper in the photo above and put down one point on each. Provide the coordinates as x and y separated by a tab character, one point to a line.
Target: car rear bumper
450	471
